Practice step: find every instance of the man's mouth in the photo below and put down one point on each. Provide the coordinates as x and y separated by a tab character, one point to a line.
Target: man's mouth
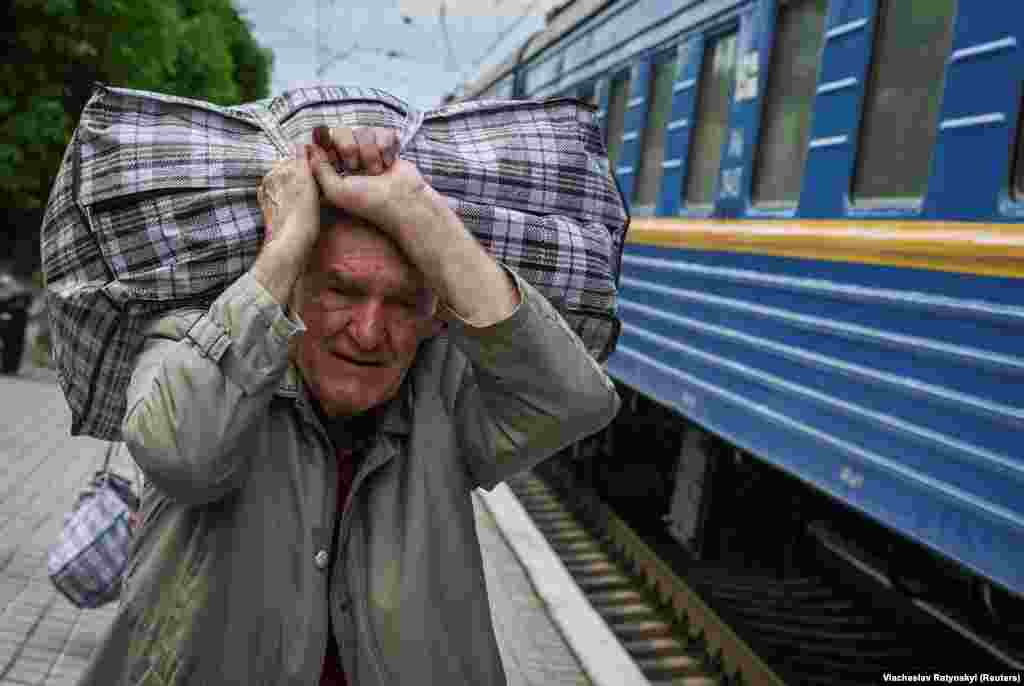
358	362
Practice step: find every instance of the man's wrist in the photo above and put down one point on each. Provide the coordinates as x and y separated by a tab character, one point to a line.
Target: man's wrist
483	319
282	260
277	269
424	210
469	282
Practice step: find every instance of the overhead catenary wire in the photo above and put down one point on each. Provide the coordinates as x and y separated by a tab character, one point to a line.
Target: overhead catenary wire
496	43
442	13
326	58
319	46
406	19
505	33
325	64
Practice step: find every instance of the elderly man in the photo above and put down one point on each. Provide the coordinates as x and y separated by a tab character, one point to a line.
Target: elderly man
311	441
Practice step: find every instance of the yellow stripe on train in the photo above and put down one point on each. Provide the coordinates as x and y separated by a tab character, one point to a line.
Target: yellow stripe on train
971	248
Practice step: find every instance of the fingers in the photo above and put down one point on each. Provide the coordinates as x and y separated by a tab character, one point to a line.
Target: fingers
368	150
387	143
287	185
372	149
267	203
346	192
340	146
328	147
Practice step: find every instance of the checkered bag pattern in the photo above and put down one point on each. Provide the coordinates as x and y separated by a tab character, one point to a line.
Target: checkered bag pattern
89	558
154	207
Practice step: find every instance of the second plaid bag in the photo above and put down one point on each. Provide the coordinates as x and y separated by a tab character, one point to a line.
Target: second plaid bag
88	560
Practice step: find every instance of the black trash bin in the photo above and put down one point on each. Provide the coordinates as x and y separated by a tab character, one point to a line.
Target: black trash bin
14	302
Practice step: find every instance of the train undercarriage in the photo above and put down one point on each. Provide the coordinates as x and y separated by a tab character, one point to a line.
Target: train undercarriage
704	504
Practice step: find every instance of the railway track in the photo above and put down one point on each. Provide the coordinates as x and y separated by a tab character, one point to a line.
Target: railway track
671	648
813	633
720	627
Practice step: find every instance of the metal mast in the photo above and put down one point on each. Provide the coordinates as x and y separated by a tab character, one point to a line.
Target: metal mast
320	43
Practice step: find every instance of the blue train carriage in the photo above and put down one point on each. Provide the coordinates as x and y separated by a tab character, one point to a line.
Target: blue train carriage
824	262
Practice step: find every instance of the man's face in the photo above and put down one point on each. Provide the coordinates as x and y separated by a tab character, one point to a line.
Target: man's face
366	309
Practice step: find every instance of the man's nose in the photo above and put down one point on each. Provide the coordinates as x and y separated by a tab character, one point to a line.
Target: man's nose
367	326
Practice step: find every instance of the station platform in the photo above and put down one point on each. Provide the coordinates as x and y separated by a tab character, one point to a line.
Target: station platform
543	625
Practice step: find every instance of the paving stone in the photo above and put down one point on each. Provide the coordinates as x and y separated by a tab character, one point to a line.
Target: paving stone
69	665
62	608
35	662
47	641
11	637
29	672
54	628
48	629
70	679
14	628
34	653
21	612
7	659
58	622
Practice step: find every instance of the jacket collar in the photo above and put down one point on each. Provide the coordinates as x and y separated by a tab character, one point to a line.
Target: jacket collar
395	415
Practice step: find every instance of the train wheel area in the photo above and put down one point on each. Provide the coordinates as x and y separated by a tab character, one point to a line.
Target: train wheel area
818	591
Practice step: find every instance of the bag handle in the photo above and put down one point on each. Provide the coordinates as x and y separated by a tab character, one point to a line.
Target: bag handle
111	447
411	126
111	451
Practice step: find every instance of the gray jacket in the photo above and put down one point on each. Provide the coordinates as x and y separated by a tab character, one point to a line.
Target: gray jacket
227	583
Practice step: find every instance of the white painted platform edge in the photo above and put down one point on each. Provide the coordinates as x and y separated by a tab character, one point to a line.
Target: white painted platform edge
601	655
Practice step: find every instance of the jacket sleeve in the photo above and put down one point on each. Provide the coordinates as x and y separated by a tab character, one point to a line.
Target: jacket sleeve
530	389
202	379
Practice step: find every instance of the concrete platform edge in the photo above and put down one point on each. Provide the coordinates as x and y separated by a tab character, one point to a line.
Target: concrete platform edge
600	653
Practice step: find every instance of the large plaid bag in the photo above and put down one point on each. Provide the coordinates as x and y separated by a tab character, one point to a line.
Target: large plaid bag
88	560
154	207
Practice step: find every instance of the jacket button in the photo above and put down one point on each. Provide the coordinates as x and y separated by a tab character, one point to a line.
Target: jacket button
321	559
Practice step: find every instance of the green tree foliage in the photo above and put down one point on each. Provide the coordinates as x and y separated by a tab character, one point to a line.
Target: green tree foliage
56	49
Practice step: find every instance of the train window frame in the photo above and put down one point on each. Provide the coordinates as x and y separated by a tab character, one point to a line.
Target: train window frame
857	201
778	50
1016	180
623	74
708	42
662	58
506	87
590	86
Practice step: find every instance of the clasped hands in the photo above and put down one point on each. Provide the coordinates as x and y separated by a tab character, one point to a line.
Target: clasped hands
379	187
390	195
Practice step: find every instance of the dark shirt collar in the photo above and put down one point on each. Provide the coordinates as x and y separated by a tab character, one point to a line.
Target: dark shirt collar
394	416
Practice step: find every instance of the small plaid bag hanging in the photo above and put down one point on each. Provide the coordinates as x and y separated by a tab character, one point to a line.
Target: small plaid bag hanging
89	558
154	207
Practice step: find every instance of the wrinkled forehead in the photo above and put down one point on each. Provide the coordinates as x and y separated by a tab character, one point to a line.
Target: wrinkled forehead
359	251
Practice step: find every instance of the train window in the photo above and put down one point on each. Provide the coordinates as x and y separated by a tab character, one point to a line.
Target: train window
901	112
792	84
652	150
588	93
717	74
617	99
